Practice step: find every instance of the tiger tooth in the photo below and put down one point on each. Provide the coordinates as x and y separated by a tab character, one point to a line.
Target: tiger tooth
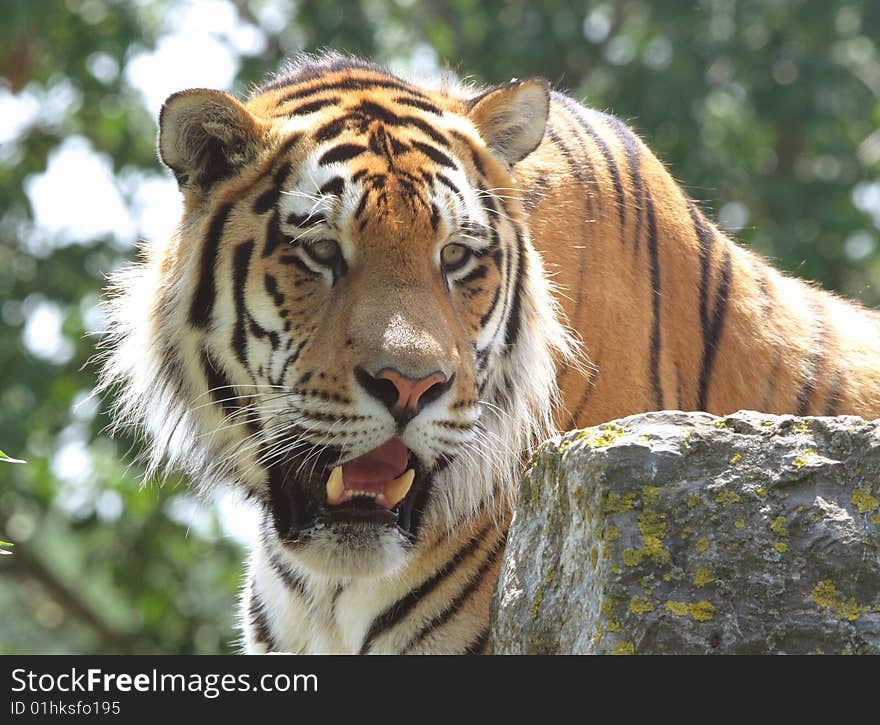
335	484
397	489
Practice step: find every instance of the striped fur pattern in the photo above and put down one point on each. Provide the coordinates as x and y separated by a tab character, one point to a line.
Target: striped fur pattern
311	245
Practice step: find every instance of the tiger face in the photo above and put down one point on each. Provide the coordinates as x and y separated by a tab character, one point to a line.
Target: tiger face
342	324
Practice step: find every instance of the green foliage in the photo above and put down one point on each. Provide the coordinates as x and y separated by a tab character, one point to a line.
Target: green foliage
768	112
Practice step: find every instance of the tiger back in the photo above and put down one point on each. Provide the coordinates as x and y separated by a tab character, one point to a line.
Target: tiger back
381	295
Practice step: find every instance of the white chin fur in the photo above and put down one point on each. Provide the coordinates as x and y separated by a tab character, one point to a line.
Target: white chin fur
353	550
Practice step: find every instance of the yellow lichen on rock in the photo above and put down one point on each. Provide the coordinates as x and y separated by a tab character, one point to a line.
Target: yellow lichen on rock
779	526
536	603
640	605
614	504
604	437
724	498
703	577
826	596
624	648
701	611
863	499
650	494
803	457
631	556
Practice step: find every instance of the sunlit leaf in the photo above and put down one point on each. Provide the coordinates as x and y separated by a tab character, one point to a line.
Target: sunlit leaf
7	459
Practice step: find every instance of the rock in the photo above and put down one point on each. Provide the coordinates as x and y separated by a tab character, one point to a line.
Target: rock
678	532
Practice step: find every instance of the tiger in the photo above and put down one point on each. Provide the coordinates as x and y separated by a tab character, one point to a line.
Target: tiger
381	294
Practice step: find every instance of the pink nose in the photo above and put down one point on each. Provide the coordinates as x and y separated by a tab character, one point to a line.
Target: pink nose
410	390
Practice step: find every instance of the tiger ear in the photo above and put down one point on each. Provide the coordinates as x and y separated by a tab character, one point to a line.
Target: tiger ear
206	136
512	117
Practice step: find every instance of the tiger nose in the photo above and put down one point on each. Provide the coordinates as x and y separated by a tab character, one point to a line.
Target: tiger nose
402	395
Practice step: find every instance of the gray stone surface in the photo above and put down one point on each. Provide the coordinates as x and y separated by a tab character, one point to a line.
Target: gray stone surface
687	533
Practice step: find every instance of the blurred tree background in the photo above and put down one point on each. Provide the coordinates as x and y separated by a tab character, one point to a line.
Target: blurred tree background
767	110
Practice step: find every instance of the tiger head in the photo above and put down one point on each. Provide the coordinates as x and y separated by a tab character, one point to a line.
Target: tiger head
350	323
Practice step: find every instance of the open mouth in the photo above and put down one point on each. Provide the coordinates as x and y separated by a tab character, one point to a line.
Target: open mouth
385	486
381	476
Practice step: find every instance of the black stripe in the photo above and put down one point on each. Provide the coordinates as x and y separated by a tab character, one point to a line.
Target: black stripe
712	334
331	129
240	264
273	237
679	405
712	323
398	147
362	203
343	152
269	198
475	154
456	604
334	186
835	395
578	111
772	382
764	287
584	179
476	273
206	290
446	181
656	297
705	240
351	84
291	579
397	611
416	103
271	285
305	220
425	128
478	646
511	332
295	261
808	387
633	156
306	108
377	143
390	118
485	318
223	392
259	621
435	154
280	152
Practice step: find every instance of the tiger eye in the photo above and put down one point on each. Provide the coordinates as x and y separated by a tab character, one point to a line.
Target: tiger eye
324	250
454	256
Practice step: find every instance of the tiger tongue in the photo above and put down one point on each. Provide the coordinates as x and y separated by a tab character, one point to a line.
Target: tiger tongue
374	469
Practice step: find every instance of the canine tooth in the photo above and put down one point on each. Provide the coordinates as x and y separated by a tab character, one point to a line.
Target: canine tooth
397	489
335	484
